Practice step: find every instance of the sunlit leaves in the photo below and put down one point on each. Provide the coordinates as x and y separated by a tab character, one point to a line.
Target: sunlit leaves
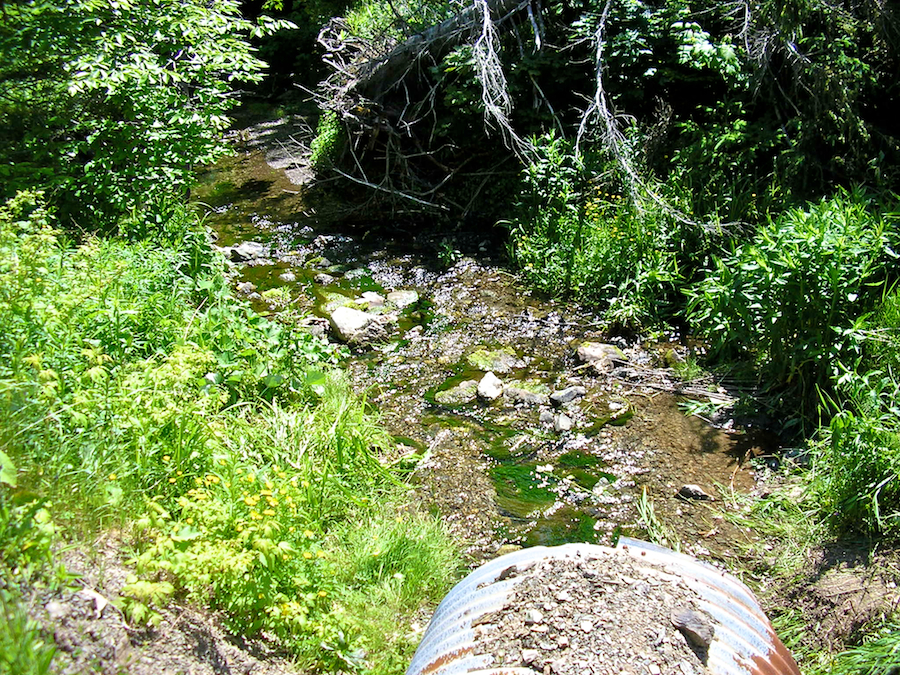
120	100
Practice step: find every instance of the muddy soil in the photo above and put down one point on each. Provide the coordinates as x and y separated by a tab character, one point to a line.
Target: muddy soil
92	634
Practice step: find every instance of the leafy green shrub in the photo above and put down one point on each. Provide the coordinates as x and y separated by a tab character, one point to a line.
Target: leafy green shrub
784	299
113	106
279	534
572	237
105	343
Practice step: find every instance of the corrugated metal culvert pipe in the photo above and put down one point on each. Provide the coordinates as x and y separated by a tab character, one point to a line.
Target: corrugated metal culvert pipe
583	609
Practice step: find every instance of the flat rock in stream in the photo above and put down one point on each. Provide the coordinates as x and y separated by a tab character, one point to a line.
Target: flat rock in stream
503	360
248	251
464	392
567	395
401	299
601	357
525	397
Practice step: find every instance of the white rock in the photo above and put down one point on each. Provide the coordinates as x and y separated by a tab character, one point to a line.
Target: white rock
533	616
373	299
347	322
248	250
602	357
490	387
563	423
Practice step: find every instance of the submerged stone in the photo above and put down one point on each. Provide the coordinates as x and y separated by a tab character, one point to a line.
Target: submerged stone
464	392
502	360
372	299
401	299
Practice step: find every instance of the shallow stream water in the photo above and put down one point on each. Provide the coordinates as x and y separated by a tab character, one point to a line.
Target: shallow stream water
500	473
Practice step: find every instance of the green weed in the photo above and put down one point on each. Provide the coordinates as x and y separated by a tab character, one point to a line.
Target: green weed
24	647
784	299
657	531
576	234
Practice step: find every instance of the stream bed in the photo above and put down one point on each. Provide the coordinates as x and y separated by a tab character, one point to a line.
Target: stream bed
521	469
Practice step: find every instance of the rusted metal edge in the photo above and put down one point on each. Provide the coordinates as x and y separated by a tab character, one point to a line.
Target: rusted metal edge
745	642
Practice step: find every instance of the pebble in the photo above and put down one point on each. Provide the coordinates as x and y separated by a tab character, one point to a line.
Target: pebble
586	626
288	277
564	596
323	279
529	656
533	616
696	627
56	610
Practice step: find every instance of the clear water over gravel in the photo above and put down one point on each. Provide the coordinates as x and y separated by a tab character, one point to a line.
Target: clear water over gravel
505	472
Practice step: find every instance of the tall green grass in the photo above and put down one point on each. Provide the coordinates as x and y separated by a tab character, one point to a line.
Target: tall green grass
135	391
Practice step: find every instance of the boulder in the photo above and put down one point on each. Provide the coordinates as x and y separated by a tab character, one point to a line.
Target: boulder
288	277
348	324
247	251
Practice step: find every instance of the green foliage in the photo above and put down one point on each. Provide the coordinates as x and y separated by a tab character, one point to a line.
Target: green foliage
109	369
785	298
574	236
857	477
328	142
879	655
26	535
112	105
296	546
24	647
134	388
